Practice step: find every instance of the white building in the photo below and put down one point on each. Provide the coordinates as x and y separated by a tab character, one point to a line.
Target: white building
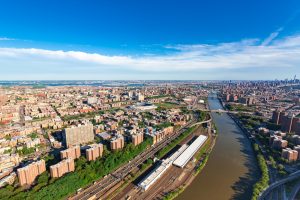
183	159
153	176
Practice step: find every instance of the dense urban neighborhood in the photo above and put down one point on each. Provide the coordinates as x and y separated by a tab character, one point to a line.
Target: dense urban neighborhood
141	141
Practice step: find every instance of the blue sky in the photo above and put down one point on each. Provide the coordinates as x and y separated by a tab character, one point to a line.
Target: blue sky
157	39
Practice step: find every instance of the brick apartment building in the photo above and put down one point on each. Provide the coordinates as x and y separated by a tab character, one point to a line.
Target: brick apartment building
95	151
137	138
81	134
72	152
117	142
62	168
289	154
28	174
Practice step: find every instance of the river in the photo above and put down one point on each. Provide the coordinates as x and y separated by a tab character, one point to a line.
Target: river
231	169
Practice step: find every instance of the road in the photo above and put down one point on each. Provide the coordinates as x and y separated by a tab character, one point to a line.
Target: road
277	184
99	188
199	123
295	191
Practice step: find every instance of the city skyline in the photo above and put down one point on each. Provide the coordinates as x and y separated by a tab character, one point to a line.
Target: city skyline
158	41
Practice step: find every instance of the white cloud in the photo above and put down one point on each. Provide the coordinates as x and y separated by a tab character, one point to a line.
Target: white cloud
271	37
187	58
5	39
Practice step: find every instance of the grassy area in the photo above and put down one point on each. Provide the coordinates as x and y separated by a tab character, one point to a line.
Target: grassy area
85	173
26	151
202	115
203	149
167	105
174	194
239	107
158	96
163	125
250	121
202	165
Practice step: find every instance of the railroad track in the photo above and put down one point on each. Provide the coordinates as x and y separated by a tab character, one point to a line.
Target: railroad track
99	188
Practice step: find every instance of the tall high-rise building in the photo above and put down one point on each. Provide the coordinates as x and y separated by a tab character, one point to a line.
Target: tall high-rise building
95	151
117	142
28	174
140	97
276	117
72	152
81	134
137	138
62	168
169	130
289	123
289	154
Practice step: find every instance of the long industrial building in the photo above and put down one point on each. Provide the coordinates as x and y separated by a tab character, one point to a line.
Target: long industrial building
160	169
183	159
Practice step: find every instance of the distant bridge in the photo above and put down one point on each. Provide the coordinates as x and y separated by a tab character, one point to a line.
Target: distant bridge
219	111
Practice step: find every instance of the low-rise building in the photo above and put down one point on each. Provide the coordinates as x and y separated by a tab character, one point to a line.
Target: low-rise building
8	180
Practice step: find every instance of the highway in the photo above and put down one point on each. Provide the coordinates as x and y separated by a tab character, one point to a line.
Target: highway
99	188
277	184
295	191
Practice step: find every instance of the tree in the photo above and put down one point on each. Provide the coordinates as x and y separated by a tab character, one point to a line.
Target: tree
280	167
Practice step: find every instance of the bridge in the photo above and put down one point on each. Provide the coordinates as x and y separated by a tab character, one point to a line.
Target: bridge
219	111
277	184
199	123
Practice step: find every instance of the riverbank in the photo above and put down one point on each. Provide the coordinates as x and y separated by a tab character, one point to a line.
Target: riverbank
263	181
201	162
231	166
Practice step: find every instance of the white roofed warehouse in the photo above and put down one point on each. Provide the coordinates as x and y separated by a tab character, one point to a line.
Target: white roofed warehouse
186	156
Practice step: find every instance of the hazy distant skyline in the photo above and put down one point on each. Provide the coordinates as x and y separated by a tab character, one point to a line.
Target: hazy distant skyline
165	40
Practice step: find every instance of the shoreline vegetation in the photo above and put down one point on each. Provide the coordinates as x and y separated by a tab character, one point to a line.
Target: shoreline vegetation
263	182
